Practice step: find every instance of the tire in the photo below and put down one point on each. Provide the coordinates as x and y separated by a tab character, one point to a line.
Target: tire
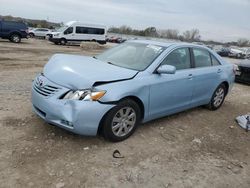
218	97
115	121
102	42
31	35
63	41
15	38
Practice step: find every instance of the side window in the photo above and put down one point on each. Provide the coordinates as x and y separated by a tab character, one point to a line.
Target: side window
89	30
179	58
215	62
202	58
68	31
81	30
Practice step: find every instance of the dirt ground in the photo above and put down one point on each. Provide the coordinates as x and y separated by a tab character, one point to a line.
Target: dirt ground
195	148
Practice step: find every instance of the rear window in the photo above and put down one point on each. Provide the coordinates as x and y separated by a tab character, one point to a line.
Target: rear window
89	30
215	62
202	58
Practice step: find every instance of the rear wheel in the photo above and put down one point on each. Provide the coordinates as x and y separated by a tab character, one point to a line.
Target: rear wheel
15	38
102	42
121	121
218	97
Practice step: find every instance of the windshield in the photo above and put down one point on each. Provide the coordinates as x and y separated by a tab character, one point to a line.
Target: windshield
132	55
61	29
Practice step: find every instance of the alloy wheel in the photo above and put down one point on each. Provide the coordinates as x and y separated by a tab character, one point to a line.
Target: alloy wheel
123	121
219	97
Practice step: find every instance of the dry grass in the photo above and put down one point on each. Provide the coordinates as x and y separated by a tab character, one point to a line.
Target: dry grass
92	46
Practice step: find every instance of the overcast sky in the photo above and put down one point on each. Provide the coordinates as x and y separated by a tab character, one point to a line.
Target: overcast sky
222	20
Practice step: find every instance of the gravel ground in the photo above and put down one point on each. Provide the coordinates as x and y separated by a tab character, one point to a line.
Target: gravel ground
195	148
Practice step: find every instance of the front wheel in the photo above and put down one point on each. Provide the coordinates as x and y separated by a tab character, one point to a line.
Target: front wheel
218	97
121	121
63	41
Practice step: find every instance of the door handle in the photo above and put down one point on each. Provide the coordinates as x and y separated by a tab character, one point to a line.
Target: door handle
190	76
219	71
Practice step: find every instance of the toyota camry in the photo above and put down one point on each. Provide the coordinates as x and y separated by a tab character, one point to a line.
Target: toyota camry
134	82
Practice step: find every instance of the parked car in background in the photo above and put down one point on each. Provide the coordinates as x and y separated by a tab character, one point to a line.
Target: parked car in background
136	81
223	52
40	32
116	40
77	32
243	72
236	53
246	52
14	31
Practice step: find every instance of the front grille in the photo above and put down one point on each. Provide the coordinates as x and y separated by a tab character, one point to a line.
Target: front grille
45	90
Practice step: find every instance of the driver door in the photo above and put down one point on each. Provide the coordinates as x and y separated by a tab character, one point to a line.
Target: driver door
171	93
69	34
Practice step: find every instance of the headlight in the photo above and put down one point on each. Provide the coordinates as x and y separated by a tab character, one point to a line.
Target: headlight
85	95
56	35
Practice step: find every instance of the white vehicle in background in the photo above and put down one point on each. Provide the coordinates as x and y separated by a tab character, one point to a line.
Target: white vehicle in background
40	32
246	52
77	32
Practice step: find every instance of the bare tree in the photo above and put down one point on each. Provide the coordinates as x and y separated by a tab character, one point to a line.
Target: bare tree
192	35
150	31
243	42
169	33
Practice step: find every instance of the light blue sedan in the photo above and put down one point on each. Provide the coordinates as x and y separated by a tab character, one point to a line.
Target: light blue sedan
129	84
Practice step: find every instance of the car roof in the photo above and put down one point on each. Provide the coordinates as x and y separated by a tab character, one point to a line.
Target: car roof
167	44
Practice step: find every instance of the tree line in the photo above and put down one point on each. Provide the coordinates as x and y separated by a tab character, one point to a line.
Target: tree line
192	35
32	22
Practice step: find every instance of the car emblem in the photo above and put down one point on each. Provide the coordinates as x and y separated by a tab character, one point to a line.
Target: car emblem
40	82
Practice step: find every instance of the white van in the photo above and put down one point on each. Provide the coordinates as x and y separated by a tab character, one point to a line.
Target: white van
76	32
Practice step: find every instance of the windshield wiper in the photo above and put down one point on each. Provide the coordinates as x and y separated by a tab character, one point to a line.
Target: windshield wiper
112	63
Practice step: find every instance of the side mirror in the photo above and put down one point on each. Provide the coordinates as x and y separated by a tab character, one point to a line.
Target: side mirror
166	69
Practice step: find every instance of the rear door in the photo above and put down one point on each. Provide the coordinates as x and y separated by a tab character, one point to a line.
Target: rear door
207	73
38	32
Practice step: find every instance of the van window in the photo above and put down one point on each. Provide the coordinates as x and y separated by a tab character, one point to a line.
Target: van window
89	30
68	31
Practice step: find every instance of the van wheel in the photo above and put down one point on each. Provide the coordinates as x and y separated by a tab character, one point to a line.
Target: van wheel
102	42
15	38
217	98
63	41
121	121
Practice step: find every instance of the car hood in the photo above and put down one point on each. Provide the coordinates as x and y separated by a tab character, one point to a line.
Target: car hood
81	72
244	63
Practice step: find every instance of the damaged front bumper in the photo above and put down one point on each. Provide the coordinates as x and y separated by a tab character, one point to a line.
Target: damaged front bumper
80	117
